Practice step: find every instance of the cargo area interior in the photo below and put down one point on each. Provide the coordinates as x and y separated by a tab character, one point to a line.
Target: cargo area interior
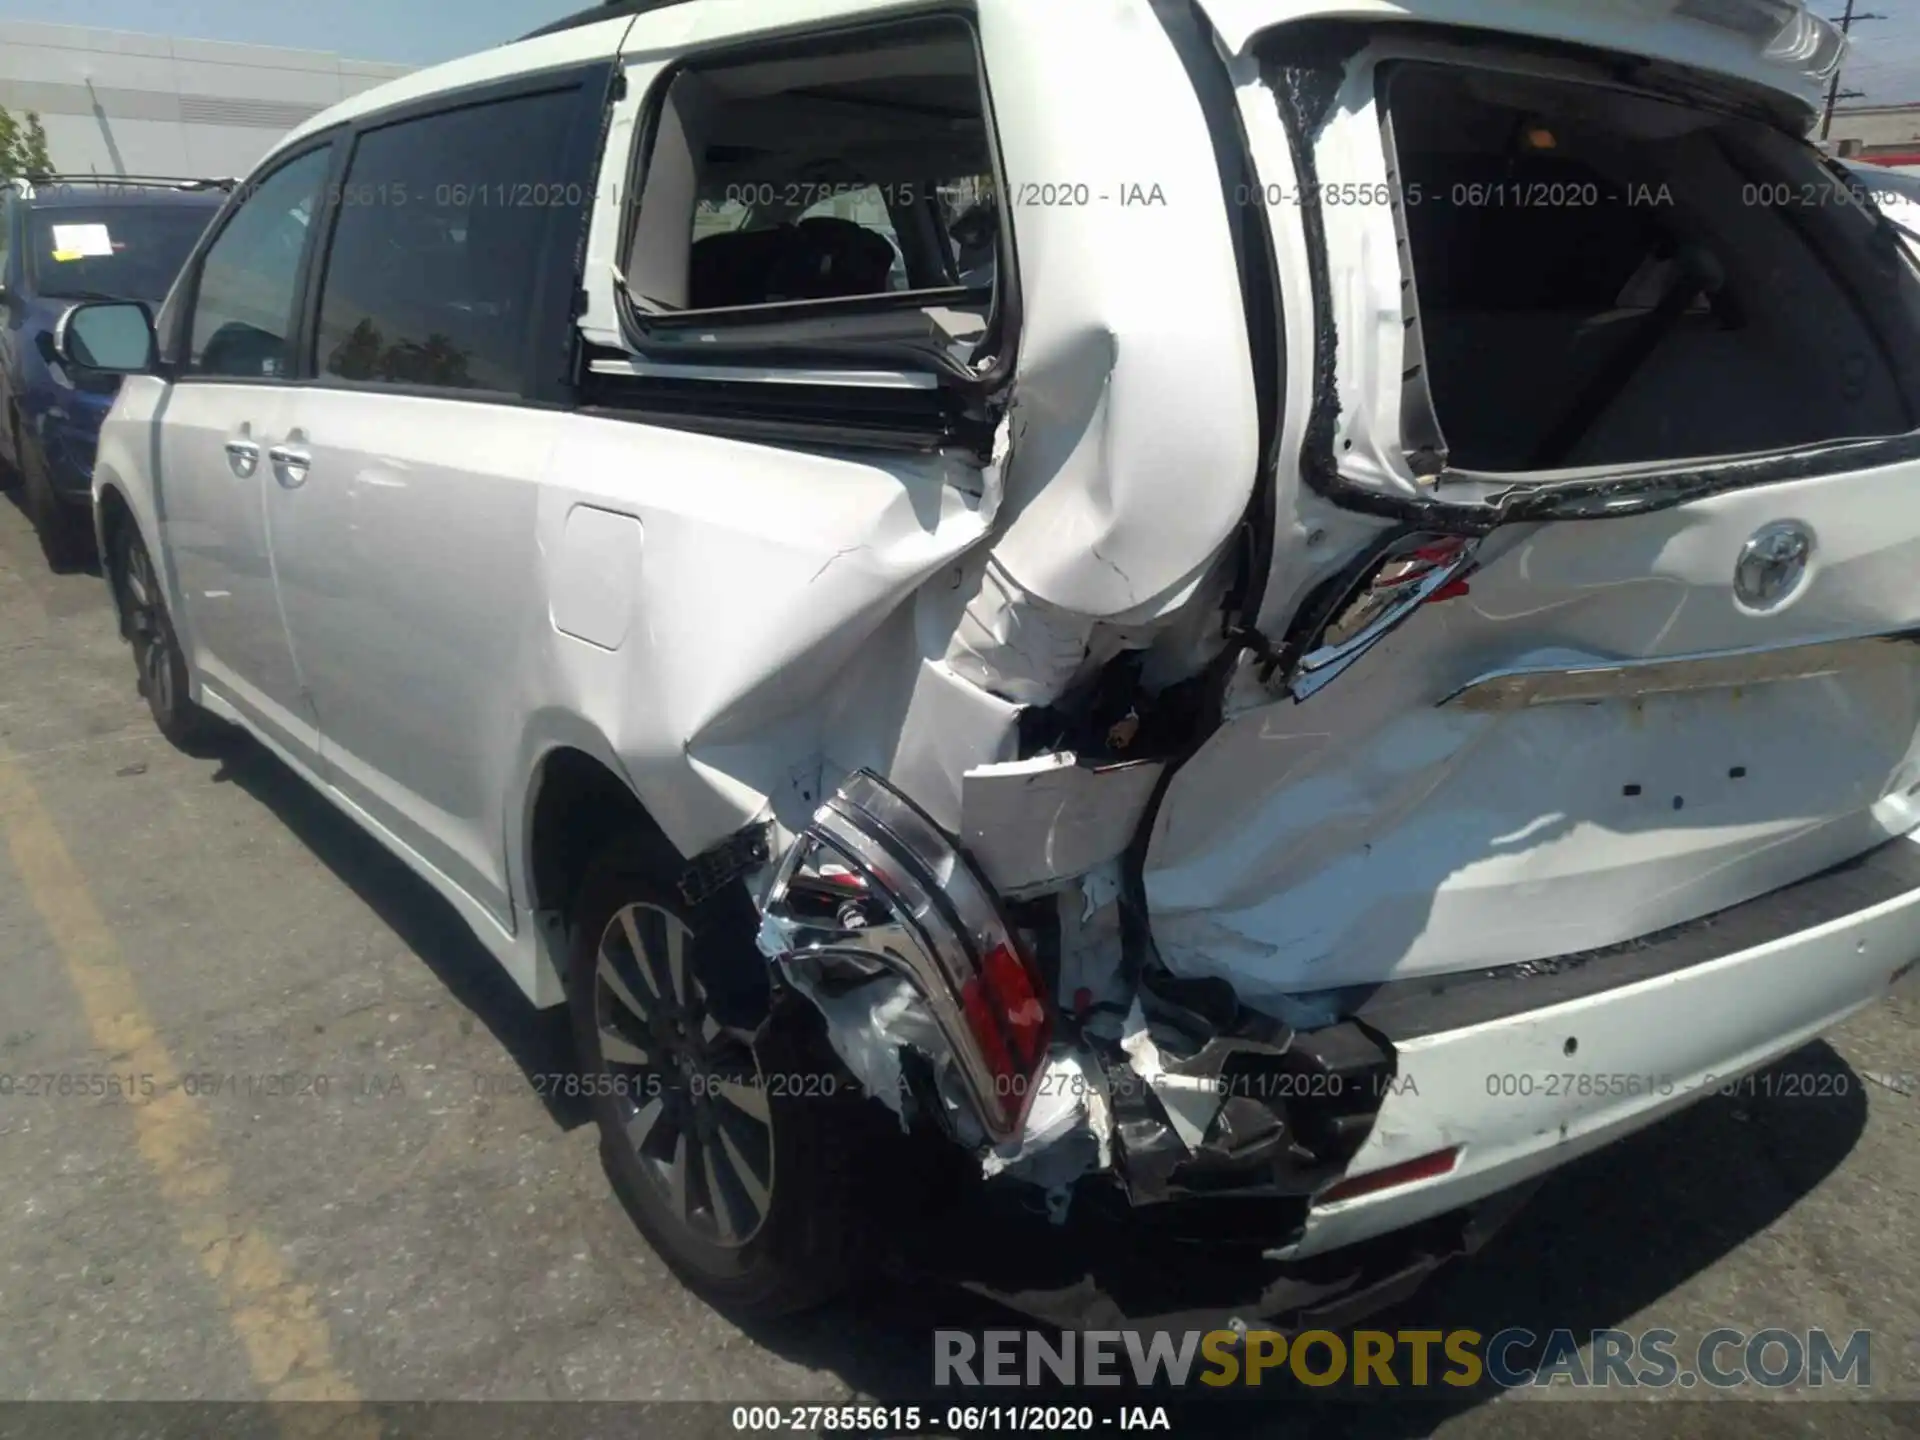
1606	278
838	174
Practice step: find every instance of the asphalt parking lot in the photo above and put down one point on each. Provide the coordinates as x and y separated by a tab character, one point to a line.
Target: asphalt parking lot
429	1229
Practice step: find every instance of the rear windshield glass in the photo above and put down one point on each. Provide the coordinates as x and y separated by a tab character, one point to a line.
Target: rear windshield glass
121	252
1606	278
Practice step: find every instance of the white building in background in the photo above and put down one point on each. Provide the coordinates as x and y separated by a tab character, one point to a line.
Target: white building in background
119	103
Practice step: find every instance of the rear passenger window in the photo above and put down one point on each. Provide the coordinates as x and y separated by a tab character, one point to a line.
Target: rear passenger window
435	263
822	172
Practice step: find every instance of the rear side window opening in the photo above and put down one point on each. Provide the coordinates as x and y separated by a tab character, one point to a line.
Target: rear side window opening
1598	277
841	190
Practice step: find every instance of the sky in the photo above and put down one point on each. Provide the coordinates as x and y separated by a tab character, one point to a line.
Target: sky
412	32
1885	62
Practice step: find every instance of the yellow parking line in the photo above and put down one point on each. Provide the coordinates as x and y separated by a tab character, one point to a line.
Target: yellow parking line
289	1346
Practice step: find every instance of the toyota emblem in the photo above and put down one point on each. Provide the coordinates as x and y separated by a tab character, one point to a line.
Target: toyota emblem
1772	565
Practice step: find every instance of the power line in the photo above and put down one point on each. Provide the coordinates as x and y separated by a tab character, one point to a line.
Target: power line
1833	91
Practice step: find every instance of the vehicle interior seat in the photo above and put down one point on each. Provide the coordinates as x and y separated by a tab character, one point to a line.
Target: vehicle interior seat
831	258
734	268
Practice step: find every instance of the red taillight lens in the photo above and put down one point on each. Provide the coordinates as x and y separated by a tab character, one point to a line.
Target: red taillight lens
1426	1167
918	906
1009	1020
986	1032
1016	998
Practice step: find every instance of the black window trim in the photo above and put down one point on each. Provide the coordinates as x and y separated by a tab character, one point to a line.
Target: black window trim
550	326
174	365
999	341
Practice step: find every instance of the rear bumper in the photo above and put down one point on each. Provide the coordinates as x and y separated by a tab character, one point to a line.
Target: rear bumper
1482	1065
1525	1069
1254	1199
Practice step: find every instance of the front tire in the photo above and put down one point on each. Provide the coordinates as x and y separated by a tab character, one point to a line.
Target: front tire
158	659
722	1126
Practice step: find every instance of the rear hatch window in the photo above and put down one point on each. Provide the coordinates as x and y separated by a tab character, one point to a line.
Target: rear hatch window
1605	278
1541	269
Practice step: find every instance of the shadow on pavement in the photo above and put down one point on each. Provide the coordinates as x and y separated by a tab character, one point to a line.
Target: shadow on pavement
537	1040
14	493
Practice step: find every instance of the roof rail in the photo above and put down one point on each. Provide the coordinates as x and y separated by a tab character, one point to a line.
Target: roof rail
607	10
108	182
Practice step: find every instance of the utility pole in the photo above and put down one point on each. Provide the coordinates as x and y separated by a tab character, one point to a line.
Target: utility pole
1846	23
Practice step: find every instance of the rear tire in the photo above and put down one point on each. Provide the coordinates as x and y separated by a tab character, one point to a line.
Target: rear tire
158	659
724	1124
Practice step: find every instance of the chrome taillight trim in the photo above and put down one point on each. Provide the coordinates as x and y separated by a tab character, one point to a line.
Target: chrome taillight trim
1379	606
941	920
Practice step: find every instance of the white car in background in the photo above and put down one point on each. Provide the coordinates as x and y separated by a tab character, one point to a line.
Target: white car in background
1350	641
1895	192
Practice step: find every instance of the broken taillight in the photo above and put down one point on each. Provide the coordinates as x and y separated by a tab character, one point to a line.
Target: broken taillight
873	880
1418	570
1402	577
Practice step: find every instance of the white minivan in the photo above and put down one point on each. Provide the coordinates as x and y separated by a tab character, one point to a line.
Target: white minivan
1235	625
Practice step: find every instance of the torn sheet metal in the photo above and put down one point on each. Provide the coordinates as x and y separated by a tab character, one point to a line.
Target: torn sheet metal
1029	823
1093	980
1240	1107
1069	1128
868	1026
1191	1101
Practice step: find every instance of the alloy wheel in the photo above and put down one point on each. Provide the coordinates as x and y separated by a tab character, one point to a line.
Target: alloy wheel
689	1089
148	630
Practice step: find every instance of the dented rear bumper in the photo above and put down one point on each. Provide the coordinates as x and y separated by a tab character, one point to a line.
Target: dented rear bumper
1524	1068
1404	1109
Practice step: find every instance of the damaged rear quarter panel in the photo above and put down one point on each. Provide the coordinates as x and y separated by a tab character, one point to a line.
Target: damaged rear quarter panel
765	574
788	630
1135	439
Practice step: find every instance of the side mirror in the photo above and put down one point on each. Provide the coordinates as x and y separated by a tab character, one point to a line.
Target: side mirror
114	337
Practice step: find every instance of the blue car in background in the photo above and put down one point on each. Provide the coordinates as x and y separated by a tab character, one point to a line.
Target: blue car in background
63	240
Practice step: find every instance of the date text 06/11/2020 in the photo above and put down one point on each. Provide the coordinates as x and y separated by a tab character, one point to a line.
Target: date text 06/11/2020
951	1420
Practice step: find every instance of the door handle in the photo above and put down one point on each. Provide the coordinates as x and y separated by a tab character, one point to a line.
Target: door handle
242	457
290	464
